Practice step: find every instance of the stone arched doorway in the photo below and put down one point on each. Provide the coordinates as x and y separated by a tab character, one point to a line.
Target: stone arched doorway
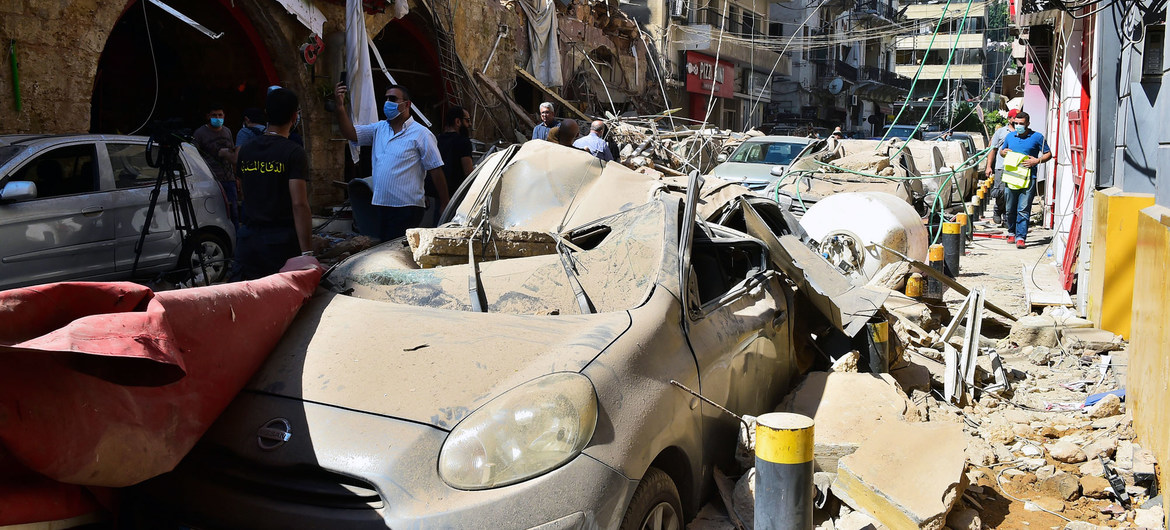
408	47
193	70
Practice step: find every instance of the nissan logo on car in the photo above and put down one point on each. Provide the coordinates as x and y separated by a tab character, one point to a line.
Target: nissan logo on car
274	434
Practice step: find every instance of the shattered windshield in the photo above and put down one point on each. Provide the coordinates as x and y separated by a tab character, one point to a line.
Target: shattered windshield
615	261
772	153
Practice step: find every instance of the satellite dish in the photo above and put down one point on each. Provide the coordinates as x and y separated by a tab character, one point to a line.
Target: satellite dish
836	85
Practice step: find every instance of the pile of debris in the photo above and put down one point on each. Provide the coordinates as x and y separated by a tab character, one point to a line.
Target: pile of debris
674	151
967	432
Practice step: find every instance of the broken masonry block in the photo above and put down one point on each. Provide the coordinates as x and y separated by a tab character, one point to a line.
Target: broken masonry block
906	475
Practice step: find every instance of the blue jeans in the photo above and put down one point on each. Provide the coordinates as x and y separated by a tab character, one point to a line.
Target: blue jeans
1019	209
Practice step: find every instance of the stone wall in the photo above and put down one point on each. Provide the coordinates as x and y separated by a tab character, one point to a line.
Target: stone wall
58	45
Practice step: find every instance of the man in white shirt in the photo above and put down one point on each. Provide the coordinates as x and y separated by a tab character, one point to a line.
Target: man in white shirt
404	152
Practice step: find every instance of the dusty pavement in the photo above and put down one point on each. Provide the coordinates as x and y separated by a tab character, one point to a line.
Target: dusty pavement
1036	457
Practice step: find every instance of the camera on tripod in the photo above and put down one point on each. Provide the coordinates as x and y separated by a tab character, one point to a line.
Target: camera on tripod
162	152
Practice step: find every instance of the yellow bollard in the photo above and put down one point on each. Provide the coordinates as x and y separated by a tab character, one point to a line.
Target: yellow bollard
914	285
784	472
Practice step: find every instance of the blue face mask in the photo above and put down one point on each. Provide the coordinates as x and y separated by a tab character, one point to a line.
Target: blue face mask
390	109
217	122
1020	129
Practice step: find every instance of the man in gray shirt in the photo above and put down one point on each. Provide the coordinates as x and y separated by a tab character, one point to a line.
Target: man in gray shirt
995	167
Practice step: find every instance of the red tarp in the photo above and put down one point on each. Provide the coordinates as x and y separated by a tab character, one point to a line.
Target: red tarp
109	384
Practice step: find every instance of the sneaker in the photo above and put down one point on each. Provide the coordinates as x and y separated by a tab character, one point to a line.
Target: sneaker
998	218
1011	239
1020	243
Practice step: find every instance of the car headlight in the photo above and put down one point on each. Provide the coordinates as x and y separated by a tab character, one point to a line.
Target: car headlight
525	432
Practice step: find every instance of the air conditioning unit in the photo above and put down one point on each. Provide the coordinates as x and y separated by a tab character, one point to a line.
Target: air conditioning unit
678	8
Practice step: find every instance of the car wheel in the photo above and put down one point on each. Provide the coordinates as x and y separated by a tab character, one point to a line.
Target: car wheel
216	258
656	505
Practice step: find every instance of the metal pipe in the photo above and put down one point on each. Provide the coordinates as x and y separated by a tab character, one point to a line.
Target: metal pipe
784	472
15	75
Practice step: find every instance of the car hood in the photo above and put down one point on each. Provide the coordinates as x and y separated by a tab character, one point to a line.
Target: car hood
432	366
749	175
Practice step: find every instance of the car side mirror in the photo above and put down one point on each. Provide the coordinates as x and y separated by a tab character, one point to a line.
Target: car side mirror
721	158
16	191
778	171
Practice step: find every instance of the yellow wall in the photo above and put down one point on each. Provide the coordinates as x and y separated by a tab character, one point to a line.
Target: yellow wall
1111	261
1148	384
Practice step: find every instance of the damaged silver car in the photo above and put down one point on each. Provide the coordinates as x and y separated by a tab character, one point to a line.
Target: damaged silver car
514	367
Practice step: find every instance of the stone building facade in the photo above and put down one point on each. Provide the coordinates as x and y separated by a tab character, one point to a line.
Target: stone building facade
91	65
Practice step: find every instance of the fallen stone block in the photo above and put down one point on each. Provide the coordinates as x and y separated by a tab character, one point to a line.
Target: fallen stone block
965	519
1095	487
906	475
1110	405
1042	330
912	377
1062	486
1067	452
436	247
846	408
1153	518
1080	525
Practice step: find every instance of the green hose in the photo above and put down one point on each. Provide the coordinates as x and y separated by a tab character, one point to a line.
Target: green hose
15	73
914	82
950	58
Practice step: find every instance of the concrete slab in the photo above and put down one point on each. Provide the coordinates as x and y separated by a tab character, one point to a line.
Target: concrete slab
907	475
846	408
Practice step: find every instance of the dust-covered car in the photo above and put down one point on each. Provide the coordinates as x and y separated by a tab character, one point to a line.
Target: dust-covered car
834	166
72	207
524	377
760	160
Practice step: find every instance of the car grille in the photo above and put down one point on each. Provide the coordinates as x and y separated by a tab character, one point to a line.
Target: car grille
301	484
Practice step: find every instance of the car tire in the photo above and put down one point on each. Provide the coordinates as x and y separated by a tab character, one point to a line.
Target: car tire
216	252
655	505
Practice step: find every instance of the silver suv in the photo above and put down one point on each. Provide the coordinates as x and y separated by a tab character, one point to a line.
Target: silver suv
72	208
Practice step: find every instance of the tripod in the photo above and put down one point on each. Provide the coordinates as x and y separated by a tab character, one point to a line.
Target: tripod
170	172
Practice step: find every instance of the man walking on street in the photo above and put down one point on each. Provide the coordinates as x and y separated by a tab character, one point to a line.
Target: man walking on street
1035	151
277	223
404	153
594	143
214	142
548	120
995	167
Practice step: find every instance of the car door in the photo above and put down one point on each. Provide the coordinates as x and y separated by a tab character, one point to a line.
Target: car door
65	232
736	321
131	181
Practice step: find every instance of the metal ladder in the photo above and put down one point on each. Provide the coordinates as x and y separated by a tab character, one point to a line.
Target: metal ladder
455	77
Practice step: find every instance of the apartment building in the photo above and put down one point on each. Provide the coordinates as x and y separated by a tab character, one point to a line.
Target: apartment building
717	57
961	26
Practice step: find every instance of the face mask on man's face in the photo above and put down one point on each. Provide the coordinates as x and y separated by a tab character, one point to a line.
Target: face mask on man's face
391	110
1021	128
217	122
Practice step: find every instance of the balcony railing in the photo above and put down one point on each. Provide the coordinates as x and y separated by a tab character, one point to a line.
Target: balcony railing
877	8
881	75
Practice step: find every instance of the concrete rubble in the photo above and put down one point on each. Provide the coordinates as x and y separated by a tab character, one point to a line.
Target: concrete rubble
900	457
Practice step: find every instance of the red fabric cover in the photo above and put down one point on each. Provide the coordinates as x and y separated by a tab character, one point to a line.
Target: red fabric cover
109	384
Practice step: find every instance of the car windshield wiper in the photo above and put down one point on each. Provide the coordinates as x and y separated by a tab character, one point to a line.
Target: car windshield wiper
474	282
569	263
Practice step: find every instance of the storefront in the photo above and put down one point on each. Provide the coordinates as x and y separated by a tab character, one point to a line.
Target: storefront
707	80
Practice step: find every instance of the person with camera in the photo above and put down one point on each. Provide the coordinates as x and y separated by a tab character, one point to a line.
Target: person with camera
276	220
